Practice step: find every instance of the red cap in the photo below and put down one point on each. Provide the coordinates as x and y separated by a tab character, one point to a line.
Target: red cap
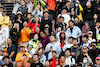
97	58
6	51
53	51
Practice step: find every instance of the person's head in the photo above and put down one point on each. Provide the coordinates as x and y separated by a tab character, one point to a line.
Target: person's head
40	51
52	38
19	14
71	23
29	16
67	52
72	12
16	25
59	29
95	16
5	53
4	12
93	45
36	36
40	45
37	19
42	34
85	60
1	8
46	10
46	14
22	48
46	30
85	38
76	20
54	53
6	59
97	60
70	40
24	56
37	29
22	3
90	34
38	6
62	35
9	41
64	11
75	42
62	59
88	4
35	57
1	52
97	24
61	19
25	24
85	49
68	3
47	63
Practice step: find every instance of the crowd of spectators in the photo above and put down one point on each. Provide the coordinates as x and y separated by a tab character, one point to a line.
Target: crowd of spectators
51	33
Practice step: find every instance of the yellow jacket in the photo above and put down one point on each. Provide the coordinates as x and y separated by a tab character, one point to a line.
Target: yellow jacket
80	15
19	56
4	21
25	35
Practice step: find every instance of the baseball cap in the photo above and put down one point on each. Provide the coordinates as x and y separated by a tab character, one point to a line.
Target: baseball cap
19	13
98	58
1	6
53	51
90	32
4	10
22	45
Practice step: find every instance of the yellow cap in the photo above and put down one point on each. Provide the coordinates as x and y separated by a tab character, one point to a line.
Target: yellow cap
22	45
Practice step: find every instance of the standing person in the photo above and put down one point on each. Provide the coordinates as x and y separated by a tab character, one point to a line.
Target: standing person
25	34
15	34
36	62
2	39
52	46
4	21
74	31
11	49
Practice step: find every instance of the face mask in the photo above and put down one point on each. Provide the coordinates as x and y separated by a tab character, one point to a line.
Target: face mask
76	5
85	61
90	48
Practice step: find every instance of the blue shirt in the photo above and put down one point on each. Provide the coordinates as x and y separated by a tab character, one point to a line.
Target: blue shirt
55	46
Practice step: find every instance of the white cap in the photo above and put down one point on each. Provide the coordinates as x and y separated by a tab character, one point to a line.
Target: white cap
30	42
90	32
19	12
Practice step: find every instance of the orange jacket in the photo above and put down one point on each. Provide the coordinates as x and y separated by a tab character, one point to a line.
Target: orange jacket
19	56
25	35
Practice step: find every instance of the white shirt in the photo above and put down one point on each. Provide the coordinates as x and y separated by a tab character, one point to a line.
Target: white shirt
91	40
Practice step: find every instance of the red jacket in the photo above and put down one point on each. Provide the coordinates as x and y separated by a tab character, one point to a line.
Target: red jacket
54	62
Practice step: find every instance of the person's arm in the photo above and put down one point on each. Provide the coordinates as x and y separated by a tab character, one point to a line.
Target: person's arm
27	57
12	53
58	50
3	39
89	59
42	3
79	32
28	32
34	12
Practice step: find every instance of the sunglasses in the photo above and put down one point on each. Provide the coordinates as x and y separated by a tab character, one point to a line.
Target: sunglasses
84	48
97	59
92	45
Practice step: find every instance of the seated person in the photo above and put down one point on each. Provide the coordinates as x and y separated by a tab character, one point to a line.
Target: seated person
97	60
36	62
23	63
21	53
7	63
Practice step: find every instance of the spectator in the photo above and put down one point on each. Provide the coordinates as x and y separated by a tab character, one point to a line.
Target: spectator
54	60
65	15
40	45
97	60
88	15
11	49
1	54
85	41
24	63
25	34
86	61
47	64
38	12
75	49
42	57
15	34
85	50
2	62
74	31
93	50
69	60
39	2
19	57
52	46
31	51
72	15
44	40
1	10
23	8
6	60
46	30
62	59
46	22
4	21
2	39
30	19
90	37
36	62
30	6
